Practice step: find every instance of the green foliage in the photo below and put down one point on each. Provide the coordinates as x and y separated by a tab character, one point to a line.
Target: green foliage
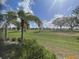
21	14
11	16
31	50
29	17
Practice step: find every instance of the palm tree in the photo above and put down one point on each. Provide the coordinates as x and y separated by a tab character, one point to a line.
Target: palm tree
11	16
25	17
29	17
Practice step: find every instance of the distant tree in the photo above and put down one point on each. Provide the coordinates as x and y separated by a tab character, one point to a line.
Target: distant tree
59	22
76	10
76	13
70	22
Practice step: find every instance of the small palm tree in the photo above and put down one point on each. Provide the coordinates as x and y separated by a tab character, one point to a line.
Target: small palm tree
11	16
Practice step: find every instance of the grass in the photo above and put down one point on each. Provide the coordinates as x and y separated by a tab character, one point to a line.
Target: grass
53	41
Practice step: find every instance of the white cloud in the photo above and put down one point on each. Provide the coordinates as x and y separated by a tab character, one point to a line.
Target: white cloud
26	5
58	15
18	20
33	25
2	1
45	23
7	8
48	24
3	11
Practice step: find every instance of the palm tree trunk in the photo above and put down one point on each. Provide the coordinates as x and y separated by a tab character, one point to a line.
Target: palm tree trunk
5	31
22	25
22	33
1	34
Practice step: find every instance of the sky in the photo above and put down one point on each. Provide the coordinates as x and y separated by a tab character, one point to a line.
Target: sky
46	10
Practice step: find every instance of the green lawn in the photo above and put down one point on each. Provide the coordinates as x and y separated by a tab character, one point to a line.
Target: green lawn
59	42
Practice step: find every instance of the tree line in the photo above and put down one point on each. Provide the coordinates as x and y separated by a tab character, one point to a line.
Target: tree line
69	22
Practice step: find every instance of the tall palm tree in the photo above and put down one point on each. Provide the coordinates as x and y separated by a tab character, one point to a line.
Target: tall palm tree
29	17
25	17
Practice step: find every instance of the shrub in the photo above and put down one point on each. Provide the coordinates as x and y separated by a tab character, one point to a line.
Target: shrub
31	50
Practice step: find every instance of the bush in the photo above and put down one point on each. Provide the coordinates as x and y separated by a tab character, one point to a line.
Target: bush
31	50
